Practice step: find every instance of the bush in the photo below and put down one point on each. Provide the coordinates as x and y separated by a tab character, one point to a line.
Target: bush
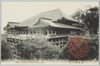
5	49
92	54
37	49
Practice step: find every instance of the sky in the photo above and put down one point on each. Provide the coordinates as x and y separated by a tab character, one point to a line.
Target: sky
20	11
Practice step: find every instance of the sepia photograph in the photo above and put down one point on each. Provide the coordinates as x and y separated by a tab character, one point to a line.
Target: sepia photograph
51	33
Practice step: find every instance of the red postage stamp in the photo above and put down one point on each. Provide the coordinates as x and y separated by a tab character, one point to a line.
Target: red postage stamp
78	46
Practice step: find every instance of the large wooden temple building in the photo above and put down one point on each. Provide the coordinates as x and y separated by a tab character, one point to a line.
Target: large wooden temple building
54	25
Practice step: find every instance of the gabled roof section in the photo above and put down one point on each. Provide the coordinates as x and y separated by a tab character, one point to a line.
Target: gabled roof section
54	15
68	17
45	23
30	21
12	24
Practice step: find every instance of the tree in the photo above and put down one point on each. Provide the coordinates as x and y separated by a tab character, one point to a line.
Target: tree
5	49
92	54
37	49
88	17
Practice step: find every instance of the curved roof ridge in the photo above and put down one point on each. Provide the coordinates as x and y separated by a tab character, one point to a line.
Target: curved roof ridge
68	16
44	23
50	11
60	13
54	15
14	22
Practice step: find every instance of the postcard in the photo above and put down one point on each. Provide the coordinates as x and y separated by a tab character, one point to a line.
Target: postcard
50	33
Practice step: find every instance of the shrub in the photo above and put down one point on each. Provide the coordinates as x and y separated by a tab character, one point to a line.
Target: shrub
92	54
37	49
5	49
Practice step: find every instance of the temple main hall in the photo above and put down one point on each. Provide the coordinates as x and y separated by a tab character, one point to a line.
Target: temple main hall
55	25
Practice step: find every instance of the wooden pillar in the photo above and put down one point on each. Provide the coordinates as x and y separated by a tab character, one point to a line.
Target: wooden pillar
36	31
14	32
31	31
25	31
47	31
64	32
21	31
18	31
51	32
55	32
55	41
41	31
51	40
59	42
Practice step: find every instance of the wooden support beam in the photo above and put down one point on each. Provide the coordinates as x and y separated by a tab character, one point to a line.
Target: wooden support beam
55	32
47	31
36	32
